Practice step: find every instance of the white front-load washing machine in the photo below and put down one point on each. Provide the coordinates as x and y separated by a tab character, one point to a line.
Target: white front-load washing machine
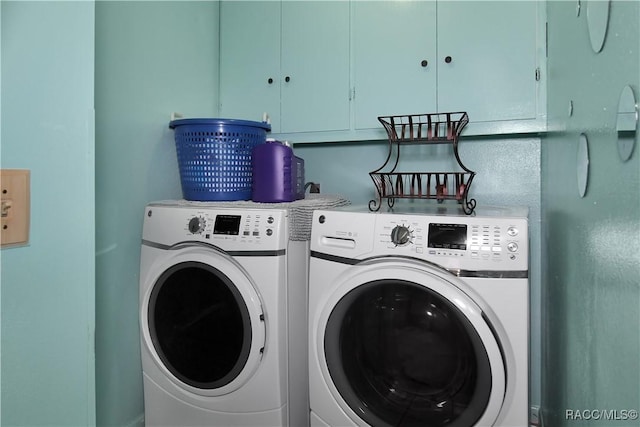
223	300
419	319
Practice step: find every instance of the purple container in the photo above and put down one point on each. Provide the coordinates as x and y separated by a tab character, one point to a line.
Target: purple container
277	174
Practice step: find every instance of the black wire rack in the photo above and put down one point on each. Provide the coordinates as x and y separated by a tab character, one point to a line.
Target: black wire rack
436	128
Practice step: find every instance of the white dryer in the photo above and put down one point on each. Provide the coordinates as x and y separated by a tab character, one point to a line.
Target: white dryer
223	317
419	319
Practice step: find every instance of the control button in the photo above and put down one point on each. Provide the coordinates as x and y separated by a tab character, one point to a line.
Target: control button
270	220
512	231
496	249
256	233
512	246
400	235
196	225
269	232
247	233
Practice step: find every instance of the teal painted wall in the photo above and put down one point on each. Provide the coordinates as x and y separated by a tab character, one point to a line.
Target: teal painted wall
591	245
508	168
0	249
152	59
48	286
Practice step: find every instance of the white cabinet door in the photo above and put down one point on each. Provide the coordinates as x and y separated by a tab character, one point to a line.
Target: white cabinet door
250	60
315	66
394	66
491	73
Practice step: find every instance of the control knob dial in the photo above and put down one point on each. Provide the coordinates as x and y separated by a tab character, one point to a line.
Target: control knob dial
196	225
401	235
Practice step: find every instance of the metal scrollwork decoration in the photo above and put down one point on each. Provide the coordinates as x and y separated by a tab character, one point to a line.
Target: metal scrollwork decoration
436	128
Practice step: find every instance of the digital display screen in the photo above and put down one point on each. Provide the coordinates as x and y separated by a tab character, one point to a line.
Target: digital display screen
448	236
227	224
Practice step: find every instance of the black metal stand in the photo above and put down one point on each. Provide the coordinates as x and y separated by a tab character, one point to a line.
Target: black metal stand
438	128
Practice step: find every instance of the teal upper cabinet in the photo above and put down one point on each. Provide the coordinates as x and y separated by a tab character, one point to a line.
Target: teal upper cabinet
288	59
250	60
487	59
325	70
394	67
426	56
315	56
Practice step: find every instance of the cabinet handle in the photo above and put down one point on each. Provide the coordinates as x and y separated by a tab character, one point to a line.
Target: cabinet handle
270	81
448	59
424	63
287	79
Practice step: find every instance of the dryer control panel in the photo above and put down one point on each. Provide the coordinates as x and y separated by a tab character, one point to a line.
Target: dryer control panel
227	228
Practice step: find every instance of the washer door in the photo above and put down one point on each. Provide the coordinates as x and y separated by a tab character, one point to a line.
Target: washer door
405	346
203	322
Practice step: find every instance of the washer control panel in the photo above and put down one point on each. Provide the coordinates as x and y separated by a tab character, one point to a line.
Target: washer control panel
496	241
440	239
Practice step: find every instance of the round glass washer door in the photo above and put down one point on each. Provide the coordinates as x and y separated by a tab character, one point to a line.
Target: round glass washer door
405	347
203	322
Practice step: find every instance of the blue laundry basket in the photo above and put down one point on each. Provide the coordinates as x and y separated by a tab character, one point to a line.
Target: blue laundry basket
214	157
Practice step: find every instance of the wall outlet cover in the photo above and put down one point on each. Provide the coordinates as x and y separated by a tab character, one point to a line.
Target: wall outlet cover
15	212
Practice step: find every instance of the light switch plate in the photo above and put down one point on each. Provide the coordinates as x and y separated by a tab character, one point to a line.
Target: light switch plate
15	208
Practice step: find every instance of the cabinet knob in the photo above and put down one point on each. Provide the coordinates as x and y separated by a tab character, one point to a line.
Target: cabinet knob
287	79
448	59
424	63
270	81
